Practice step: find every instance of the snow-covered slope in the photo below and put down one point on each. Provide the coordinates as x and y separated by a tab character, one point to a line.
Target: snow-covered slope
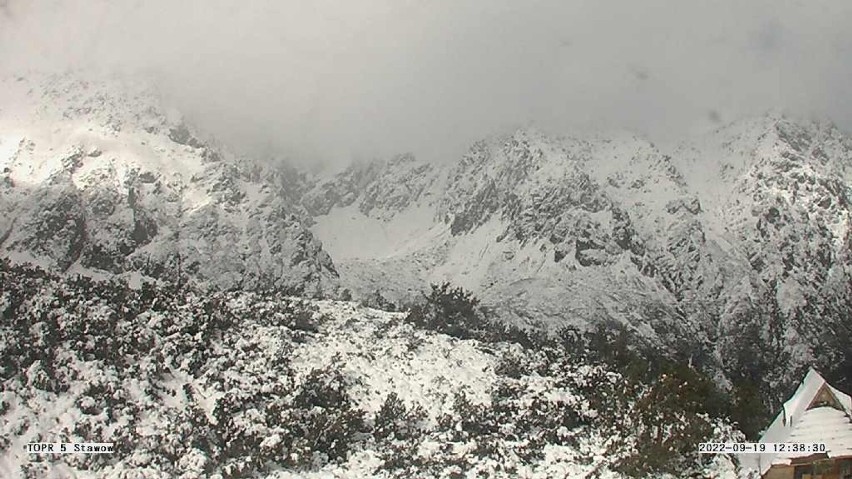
96	177
551	230
741	233
225	385
778	192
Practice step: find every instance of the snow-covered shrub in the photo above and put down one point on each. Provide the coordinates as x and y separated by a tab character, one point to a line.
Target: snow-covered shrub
323	422
376	300
452	311
678	410
512	365
394	420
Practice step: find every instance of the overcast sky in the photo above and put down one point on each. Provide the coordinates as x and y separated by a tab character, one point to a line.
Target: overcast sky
342	79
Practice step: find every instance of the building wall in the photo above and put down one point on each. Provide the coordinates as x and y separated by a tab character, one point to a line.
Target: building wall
836	469
779	472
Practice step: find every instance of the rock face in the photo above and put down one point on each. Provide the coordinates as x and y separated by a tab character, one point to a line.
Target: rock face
96	178
743	233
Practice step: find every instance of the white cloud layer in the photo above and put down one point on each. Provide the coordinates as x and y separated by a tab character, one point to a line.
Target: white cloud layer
341	79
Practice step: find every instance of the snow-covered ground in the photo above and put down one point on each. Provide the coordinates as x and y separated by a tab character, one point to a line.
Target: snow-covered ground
193	385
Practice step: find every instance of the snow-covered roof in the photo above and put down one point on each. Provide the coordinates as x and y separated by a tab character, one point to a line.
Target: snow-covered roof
801	420
823	424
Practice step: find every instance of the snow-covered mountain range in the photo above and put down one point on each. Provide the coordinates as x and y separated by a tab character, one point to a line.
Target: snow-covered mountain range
727	255
731	250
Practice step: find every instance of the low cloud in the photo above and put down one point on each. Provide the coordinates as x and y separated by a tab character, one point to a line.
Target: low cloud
324	80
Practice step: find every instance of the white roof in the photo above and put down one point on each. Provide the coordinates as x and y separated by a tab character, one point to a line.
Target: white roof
796	423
